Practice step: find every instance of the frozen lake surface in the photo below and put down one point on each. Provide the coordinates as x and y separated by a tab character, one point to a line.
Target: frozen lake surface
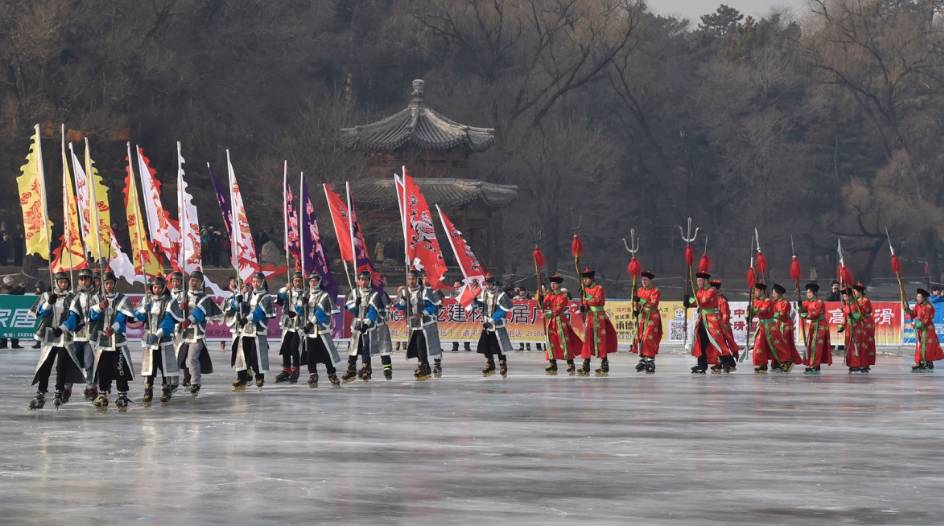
664	449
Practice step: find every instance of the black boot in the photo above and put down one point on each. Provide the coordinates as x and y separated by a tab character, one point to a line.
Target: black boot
650	365
716	368
365	373
437	368
38	401
240	383
503	366
260	380
760	370
489	367
551	369
122	401
641	366
351	372
293	377
90	393
698	369
313	380
388	367
185	383
283	376
58	401
571	368
148	393
585	369
194	389
423	372
333	378
604	369
165	393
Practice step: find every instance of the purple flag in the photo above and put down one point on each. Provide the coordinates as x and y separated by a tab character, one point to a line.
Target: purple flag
222	197
314	258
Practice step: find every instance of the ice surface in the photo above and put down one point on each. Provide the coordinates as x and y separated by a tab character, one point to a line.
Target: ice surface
531	449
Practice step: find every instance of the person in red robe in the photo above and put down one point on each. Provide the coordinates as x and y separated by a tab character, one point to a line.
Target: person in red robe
599	335
562	342
769	345
648	325
783	313
710	346
868	321
815	331
855	334
927	347
725	309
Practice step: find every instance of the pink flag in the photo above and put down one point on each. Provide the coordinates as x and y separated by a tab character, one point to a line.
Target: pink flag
422	247
472	271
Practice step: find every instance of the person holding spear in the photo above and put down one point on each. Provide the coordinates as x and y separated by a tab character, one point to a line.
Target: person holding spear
815	330
648	324
927	346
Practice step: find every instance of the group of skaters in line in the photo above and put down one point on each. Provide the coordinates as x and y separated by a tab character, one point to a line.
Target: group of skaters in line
82	331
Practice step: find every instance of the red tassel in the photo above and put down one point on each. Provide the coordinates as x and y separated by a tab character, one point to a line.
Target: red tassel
634	269
795	272
761	263
896	265
844	275
576	246
538	257
704	264
689	256
751	278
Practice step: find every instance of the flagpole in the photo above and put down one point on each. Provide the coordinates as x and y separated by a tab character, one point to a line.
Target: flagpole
343	261
93	203
184	232
137	224
235	229
401	201
301	243
288	253
350	225
66	212
452	245
42	188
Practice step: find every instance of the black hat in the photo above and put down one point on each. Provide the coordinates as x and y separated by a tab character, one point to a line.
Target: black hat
158	280
760	286
62	275
859	286
109	276
778	288
298	275
314	276
85	273
716	283
175	275
556	278
648	274
415	273
923	292
197	274
259	275
364	274
702	275
847	291
813	286
490	279
588	273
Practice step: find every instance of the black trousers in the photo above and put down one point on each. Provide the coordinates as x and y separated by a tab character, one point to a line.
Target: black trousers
57	356
289	350
702	333
252	361
316	353
112	366
489	346
417	347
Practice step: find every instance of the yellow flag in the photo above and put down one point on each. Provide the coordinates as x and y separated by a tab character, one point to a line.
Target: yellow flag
145	261
100	228
70	254
37	229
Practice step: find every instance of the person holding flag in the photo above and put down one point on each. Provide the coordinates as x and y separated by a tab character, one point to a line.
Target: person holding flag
251	352
291	298
192	352
111	313
420	310
494	340
319	346
160	314
649	322
52	309
562	341
369	332
816	336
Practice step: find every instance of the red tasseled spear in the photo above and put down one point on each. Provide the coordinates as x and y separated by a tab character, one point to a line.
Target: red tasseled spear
538	257
634	269
576	250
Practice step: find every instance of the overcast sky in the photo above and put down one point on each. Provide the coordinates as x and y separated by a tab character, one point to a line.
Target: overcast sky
692	9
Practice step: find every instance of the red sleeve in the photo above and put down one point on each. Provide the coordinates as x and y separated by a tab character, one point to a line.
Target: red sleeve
925	314
655	295
595	297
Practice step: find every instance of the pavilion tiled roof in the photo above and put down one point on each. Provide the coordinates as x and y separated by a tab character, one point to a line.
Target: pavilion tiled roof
449	193
417	125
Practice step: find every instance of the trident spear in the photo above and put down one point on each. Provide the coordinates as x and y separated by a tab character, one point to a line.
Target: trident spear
763	278
688	280
845	278
634	269
576	250
795	274
896	268
751	281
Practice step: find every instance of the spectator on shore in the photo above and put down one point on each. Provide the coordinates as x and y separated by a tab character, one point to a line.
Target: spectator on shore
19	245
936	295
7	287
834	292
4	248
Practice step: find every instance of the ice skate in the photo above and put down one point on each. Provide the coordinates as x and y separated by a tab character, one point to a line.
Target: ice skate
423	373
333	378
716	369
641	366
283	376
38	401
194	389
67	393
148	394
489	368
186	382
166	394
101	401
698	370
929	365
313	380
260	381
437	369
571	368
551	369
350	375
854	370
919	367
239	385
58	401
90	393
503	367
787	367
122	401
364	374
867	370
651	366
293	377
604	369
760	370
388	373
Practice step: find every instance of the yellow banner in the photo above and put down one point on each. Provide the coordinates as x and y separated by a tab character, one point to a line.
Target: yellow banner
70	254
37	228
145	262
100	229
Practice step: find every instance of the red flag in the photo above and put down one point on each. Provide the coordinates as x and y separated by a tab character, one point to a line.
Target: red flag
634	269
538	257
576	246
751	277
844	275
704	264
422	247
339	217
795	272
896	265
473	272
